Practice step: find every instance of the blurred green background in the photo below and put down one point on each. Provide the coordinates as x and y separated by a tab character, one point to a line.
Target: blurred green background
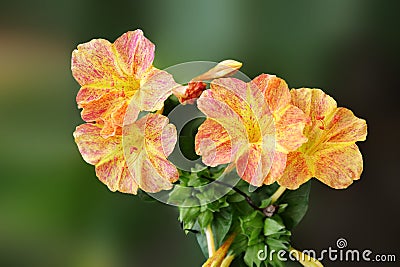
54	211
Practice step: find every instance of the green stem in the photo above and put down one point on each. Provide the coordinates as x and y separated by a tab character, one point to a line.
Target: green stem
278	193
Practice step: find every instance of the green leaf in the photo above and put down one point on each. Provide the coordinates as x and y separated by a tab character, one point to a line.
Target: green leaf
271	226
221	224
189	214
282	207
239	245
179	195
297	201
252	226
202	241
205	218
251	255
265	203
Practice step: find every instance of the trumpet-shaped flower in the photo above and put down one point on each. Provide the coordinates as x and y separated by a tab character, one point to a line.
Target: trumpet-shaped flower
330	155
138	161
113	74
250	124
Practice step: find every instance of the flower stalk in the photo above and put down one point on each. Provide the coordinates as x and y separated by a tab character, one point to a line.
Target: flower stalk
278	193
210	241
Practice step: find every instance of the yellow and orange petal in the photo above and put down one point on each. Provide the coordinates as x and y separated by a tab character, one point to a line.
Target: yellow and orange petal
330	155
111	75
107	155
239	128
135	160
289	121
147	144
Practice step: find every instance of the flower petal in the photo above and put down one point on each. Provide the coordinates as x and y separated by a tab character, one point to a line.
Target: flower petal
277	168
95	62
155	88
313	102
338	165
275	90
135	53
253	165
107	156
213	143
345	127
297	171
147	143
91	145
289	127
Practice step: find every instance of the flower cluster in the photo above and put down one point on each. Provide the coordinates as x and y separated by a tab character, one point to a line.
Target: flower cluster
268	134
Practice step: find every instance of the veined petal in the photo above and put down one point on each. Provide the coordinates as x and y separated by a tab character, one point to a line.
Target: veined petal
345	127
223	114
297	171
135	53
275	90
338	165
91	145
277	168
156	86
107	156
213	143
95	62
313	102
289	127
147	143
253	165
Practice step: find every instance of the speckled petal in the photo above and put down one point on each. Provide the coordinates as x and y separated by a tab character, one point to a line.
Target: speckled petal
313	102
94	63
277	168
289	127
297	171
344	127
147	143
254	164
275	90
338	165
135	53
155	88
92	146
213	143
107	156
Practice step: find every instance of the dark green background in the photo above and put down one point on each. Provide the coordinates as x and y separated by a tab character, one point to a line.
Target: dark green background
53	210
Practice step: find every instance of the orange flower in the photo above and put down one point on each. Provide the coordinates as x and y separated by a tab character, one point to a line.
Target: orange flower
250	124
146	145
111	75
330	155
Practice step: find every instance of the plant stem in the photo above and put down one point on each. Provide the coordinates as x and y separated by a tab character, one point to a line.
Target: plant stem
247	198
278	193
210	241
305	259
227	261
